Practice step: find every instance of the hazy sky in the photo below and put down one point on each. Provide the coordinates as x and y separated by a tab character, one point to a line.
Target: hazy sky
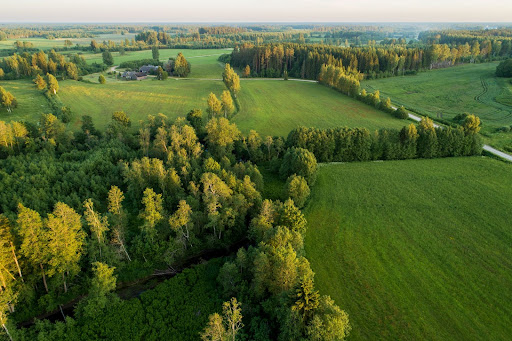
255	10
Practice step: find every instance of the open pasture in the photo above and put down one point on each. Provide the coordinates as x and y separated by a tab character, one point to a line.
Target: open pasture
274	107
415	250
137	98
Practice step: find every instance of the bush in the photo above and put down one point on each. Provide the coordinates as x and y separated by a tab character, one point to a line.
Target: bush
401	113
504	69
102	79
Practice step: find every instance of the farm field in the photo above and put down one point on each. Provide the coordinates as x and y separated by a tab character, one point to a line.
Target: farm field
417	249
274	107
46	44
138	99
31	103
471	88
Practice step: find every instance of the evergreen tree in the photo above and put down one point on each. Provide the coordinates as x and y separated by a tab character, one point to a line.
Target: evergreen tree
155	52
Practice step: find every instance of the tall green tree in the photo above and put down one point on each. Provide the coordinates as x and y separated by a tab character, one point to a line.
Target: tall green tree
227	103
152	213
66	238
155	52
52	83
181	66
115	208
214	105
107	58
35	243
98	225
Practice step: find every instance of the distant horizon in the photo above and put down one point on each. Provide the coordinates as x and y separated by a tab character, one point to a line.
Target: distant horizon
262	11
257	22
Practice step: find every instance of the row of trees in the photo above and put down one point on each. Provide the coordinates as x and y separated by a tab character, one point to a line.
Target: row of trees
217	107
422	141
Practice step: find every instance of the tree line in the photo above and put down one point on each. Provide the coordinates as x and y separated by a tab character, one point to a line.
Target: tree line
305	61
421	141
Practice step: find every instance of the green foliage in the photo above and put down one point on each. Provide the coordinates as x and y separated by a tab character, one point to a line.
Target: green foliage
401	113
301	162
102	79
107	58
7	100
504	69
181	66
297	189
155	52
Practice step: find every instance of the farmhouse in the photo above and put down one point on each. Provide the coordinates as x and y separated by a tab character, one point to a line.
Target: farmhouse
148	68
134	76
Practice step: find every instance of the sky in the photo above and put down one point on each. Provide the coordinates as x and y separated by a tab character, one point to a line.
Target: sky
127	11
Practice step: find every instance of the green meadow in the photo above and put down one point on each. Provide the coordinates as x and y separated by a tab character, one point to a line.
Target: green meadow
31	103
415	250
274	107
138	99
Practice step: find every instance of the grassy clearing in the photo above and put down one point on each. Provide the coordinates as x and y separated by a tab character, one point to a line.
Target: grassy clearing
274	107
147	54
416	250
138	99
31	102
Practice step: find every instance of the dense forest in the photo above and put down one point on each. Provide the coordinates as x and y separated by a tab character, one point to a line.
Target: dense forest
305	61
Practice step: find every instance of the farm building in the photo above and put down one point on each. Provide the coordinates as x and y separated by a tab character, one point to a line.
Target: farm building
134	76
148	68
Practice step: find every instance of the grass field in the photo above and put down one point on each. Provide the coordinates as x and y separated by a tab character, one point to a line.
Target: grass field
416	250
31	103
46	44
274	107
138	99
468	88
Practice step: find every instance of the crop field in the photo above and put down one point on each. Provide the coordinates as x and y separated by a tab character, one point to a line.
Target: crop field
415	250
471	88
138	99
31	103
274	107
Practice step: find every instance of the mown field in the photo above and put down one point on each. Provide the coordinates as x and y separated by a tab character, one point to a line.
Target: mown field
471	88
416	250
31	103
274	107
138	99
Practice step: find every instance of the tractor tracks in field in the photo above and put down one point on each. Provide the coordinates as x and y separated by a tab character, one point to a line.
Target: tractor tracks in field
498	109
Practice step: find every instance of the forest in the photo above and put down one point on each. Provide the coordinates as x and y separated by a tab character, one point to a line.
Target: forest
214	196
